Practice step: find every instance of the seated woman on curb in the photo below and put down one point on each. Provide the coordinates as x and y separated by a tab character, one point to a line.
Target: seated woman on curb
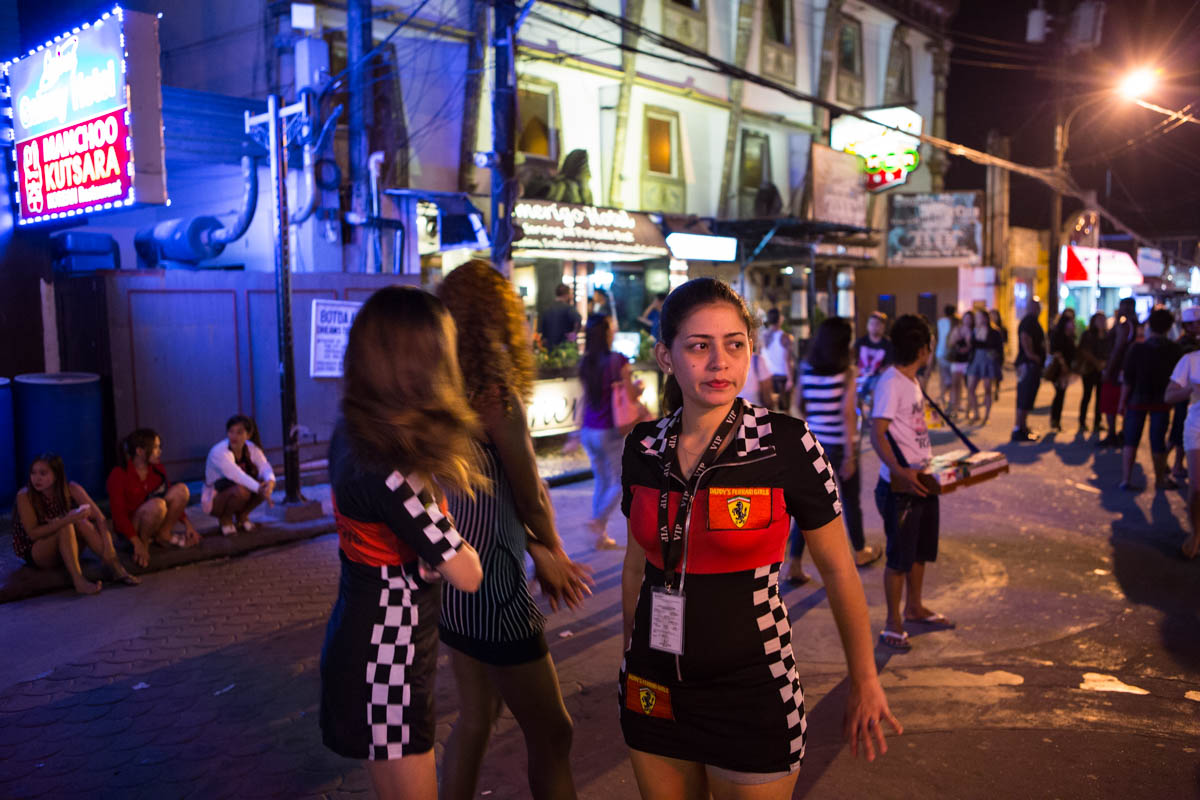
145	505
53	516
237	477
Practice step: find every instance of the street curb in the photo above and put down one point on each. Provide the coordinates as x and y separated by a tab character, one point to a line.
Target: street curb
565	478
26	582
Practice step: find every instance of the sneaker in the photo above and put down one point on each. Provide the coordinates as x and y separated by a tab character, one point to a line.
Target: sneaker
1025	435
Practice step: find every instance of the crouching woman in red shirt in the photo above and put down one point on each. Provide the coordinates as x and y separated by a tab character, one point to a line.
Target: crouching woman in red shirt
145	505
406	432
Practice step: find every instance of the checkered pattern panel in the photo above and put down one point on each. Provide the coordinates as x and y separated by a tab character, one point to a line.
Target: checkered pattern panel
390	655
754	434
418	501
823	467
657	444
776	633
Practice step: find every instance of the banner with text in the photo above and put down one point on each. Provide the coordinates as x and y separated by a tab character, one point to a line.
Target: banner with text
935	230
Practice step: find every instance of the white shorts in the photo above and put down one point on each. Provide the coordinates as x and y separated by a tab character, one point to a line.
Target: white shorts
958	367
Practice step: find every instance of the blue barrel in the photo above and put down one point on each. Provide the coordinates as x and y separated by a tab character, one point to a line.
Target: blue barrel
61	412
8	472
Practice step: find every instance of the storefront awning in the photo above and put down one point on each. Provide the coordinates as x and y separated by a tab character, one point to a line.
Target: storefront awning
547	229
783	239
690	238
1097	266
450	221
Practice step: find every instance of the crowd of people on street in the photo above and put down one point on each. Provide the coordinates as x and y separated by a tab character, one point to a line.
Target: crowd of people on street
754	461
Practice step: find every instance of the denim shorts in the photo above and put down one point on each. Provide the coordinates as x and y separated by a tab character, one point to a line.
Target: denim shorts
910	525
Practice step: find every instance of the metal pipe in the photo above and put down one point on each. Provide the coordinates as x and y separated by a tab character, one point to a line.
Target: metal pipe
249	205
310	184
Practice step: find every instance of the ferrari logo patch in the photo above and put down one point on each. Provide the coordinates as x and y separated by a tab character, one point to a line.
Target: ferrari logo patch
649	698
739	508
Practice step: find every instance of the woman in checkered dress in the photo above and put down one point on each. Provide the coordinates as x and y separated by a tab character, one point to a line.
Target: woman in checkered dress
710	697
406	432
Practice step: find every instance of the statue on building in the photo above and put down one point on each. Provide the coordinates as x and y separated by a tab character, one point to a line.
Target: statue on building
571	184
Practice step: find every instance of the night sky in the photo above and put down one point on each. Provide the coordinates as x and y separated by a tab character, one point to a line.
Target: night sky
1154	186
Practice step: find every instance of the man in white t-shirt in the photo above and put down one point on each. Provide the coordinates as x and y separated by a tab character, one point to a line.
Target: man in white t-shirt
909	511
1185	386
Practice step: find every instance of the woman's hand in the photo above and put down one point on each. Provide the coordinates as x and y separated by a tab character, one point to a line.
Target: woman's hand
849	465
191	535
266	489
561	578
866	709
78	514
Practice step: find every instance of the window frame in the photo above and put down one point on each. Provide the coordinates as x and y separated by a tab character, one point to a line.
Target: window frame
672	118
850	81
534	85
789	23
900	55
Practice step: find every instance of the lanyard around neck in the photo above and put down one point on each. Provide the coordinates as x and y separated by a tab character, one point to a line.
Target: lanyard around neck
672	536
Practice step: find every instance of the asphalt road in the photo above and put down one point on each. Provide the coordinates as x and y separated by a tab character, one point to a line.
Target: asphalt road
1074	671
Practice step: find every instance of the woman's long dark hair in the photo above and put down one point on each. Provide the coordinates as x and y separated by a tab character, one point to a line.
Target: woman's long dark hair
141	438
679	305
403	399
61	487
596	353
829	353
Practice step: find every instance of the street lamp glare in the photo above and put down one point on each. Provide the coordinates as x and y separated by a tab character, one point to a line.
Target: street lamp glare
1137	83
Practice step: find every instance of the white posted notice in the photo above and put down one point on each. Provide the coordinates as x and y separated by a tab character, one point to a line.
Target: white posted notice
331	321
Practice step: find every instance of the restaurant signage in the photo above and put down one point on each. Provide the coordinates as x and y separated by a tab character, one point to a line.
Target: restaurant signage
557	403
331	322
87	119
1097	266
584	233
888	155
935	230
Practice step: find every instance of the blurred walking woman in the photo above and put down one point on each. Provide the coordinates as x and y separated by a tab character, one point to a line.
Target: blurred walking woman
711	702
54	517
497	647
406	432
599	369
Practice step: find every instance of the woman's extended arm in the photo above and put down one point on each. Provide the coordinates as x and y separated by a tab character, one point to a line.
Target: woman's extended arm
462	570
82	499
226	465
29	518
849	425
508	430
632	573
1176	393
866	707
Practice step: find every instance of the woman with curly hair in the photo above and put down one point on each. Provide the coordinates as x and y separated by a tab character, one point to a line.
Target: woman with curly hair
497	647
406	433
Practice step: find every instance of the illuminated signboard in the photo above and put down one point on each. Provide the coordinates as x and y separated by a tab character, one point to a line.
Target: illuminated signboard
1097	266
87	120
888	155
585	233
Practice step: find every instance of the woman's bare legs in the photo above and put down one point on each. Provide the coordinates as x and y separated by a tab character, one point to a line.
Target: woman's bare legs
175	503
972	397
410	778
236	501
987	400
147	522
663	778
102	545
532	692
63	548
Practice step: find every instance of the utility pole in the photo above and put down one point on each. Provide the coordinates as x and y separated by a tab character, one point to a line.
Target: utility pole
358	44
276	141
1060	143
504	130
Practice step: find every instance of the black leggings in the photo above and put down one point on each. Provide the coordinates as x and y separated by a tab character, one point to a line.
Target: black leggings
1091	383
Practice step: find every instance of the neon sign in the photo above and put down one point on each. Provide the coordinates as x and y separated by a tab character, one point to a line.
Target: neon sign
888	156
86	110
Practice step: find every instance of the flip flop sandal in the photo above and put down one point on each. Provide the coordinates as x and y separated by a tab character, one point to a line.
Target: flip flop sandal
178	540
127	579
607	543
248	526
229	530
897	642
939	621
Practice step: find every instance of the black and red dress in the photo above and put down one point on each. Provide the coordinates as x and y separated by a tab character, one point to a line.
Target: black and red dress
733	699
380	652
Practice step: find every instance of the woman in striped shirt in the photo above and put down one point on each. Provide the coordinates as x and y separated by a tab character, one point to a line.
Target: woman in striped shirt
826	402
497	648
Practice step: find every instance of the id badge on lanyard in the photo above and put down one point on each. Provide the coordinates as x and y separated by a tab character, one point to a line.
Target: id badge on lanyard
667	601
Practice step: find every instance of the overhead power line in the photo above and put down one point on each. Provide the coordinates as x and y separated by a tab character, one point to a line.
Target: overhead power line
1059	180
